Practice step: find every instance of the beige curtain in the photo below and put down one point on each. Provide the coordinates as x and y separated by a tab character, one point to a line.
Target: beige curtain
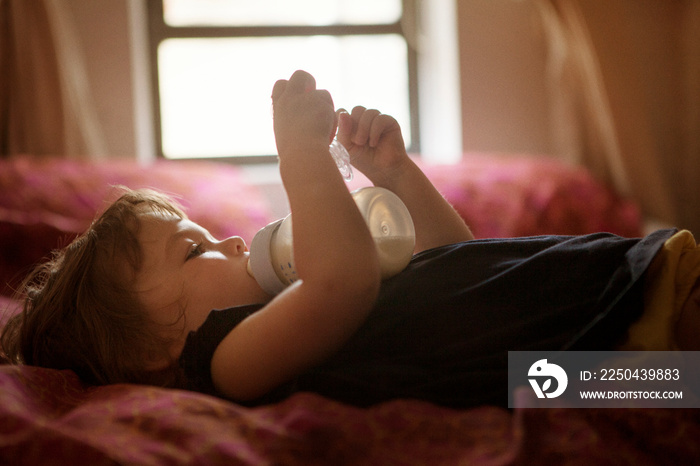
45	105
624	77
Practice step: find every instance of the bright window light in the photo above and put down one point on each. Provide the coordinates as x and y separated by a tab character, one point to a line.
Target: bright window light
280	12
215	92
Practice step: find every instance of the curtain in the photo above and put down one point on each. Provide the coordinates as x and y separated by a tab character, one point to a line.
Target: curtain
45	104
624	81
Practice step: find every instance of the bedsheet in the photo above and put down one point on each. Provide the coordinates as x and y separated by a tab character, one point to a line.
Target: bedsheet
48	417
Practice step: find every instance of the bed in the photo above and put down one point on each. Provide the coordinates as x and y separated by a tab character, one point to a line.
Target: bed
50	417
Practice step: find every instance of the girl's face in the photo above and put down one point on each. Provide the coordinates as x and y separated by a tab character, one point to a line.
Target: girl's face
187	271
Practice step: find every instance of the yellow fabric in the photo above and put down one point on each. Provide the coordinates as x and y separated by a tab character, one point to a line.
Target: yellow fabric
669	281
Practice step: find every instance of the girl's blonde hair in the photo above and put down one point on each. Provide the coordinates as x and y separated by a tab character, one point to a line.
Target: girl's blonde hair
80	312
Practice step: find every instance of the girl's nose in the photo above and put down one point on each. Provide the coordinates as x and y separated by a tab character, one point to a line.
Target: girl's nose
234	245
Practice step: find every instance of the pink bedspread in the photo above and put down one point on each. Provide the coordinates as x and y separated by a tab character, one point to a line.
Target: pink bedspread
48	417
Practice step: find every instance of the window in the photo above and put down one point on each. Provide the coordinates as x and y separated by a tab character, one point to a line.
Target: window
215	62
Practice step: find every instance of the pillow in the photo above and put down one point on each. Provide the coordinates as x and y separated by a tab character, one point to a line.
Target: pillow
502	195
45	203
508	196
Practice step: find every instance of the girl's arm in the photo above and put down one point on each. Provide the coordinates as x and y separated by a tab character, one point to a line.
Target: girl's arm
334	255
377	149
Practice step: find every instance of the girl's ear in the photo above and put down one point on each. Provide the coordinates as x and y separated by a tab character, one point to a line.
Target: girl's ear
159	371
156	364
163	359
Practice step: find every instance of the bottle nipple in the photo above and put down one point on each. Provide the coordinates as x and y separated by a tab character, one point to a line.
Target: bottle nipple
342	159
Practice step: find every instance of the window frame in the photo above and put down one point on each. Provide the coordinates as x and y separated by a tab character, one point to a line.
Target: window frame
159	30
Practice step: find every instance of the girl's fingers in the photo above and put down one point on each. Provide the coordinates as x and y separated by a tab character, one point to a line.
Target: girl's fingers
301	81
325	95
363	124
344	121
380	124
299	95
355	116
278	88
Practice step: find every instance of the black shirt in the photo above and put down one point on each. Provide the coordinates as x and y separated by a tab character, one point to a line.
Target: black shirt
441	329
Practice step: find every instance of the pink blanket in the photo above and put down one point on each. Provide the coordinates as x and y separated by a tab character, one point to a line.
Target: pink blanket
48	417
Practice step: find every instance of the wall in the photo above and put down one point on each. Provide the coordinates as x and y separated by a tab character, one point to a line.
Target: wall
502	64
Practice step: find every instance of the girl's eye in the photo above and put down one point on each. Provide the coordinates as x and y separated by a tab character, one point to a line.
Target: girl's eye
195	250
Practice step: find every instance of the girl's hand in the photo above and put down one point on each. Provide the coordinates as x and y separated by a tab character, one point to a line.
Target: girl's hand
302	114
374	142
377	149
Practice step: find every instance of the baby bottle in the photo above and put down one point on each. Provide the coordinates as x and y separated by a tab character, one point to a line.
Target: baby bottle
271	252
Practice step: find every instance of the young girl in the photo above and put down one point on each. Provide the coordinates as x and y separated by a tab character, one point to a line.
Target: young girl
147	296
